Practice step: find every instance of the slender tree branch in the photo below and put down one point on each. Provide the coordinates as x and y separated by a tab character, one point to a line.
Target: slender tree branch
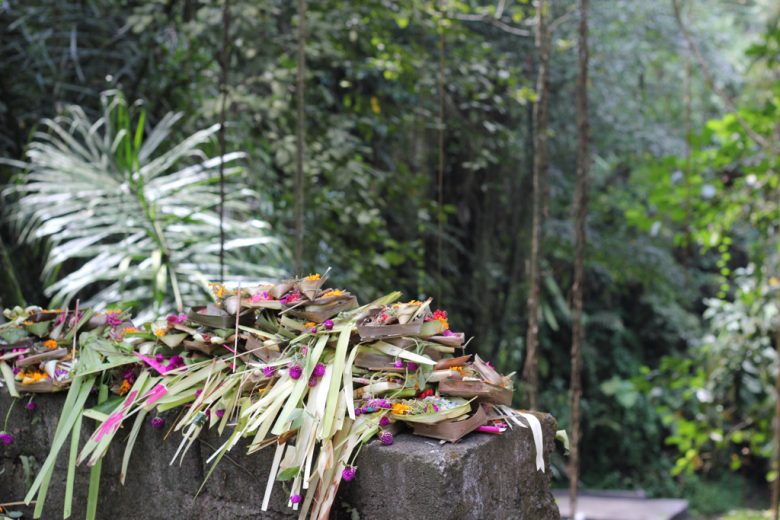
540	117
580	218
300	137
724	97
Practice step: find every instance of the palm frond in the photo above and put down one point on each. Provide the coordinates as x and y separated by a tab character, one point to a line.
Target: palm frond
134	219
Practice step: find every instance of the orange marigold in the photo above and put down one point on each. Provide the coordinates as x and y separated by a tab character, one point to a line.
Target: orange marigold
50	344
124	387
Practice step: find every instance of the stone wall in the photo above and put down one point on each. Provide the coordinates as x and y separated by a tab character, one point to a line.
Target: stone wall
482	477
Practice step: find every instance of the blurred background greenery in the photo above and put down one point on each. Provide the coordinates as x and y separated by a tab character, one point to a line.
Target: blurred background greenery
108	196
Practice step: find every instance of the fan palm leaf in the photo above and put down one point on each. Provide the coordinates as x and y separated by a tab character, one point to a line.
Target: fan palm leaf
134	219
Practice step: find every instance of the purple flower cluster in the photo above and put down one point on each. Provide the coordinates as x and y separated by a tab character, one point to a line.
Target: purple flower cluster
113	319
386	437
317	373
296	371
348	474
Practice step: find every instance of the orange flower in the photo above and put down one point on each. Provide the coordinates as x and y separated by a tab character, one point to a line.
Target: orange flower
27	323
50	344
131	329
309	324
313	277
34	376
124	387
159	332
333	292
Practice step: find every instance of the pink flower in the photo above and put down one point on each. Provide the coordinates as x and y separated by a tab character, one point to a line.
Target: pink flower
411	366
313	381
113	319
259	297
349	473
220	413
386	437
176	319
398	364
328	324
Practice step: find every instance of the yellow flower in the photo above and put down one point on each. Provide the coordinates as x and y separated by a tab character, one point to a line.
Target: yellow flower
309	324
50	344
414	302
458	369
27	322
773	281
312	277
375	108
159	332
218	289
333	292
400	408
131	329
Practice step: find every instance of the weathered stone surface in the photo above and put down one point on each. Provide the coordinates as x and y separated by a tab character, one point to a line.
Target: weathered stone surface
482	477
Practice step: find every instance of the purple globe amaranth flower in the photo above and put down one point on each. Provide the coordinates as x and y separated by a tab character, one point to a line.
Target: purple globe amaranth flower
295	499
17	370
113	319
313	381
157	422
384	421
31	406
398	364
411	366
447	333
269	371
159	358
314	330
348	473
175	362
220	413
319	370
386	437
328	324
295	371
358	411
6	438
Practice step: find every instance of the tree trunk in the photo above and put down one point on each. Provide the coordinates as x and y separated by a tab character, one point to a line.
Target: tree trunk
776	462
580	212
10	291
540	116
223	79
300	138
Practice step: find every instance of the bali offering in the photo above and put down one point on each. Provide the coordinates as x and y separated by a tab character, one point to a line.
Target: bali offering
295	366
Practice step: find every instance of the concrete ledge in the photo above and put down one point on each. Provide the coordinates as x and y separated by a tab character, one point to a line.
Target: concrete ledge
482	477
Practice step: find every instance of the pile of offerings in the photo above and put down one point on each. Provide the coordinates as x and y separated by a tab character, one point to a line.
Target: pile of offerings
294	366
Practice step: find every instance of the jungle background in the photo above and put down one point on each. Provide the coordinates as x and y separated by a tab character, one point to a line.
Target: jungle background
419	150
